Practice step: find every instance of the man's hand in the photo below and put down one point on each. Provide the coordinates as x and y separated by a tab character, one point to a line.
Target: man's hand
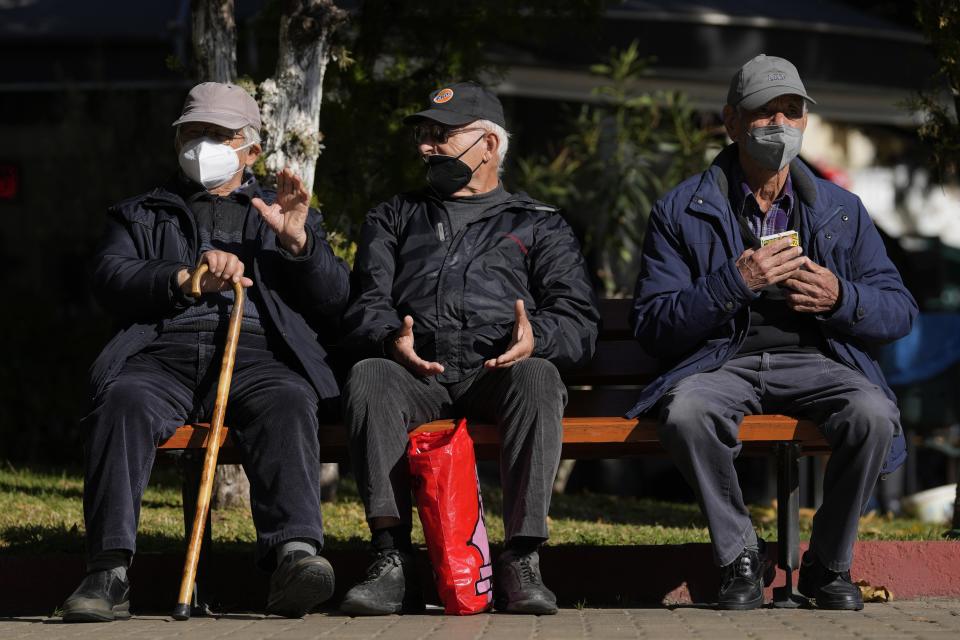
813	289
288	215
400	348
521	345
770	264
225	270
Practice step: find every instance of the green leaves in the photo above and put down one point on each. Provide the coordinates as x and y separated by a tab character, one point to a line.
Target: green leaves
940	21
623	152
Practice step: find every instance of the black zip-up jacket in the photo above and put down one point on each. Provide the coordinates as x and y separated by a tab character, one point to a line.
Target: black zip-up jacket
461	290
150	237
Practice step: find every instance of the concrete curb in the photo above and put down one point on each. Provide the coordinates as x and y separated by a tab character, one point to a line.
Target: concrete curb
584	576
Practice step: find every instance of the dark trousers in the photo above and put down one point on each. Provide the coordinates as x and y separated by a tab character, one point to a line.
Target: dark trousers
700	422
272	414
383	401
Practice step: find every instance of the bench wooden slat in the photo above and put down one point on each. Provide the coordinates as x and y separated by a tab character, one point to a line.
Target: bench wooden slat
612	436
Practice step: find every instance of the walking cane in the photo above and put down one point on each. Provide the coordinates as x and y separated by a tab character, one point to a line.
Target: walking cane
182	610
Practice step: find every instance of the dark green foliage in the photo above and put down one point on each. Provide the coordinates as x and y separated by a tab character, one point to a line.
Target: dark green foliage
940	21
625	150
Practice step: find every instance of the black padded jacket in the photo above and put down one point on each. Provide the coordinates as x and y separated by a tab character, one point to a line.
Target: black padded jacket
461	290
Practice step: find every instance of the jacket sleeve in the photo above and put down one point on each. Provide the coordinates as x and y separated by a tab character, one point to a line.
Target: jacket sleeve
320	280
129	286
566	319
370	315
674	310
875	306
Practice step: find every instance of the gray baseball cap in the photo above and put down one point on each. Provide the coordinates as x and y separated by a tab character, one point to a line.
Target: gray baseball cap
226	105
762	79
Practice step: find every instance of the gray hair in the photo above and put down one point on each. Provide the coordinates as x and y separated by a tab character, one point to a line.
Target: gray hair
250	134
502	136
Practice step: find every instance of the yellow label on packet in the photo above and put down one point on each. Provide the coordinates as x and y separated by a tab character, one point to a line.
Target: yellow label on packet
792	234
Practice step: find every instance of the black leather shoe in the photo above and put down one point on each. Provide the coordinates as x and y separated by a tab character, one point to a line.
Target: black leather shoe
101	597
299	584
741	581
830	589
391	586
518	587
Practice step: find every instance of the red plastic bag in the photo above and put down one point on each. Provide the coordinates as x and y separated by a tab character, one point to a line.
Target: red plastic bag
444	472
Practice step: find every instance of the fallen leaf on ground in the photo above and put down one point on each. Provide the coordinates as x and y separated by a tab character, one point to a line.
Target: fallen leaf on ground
871	593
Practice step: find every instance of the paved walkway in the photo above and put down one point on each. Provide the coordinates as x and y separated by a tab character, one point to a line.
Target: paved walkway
898	620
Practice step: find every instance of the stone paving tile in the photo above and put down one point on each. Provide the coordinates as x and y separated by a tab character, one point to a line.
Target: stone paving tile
912	620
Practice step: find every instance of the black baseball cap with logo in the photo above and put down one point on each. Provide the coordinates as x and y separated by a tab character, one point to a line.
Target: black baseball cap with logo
461	103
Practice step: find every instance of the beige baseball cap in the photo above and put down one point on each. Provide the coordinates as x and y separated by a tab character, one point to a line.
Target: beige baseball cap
226	105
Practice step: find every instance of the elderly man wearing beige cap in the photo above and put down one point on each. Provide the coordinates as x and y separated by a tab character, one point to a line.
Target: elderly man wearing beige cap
763	289
160	369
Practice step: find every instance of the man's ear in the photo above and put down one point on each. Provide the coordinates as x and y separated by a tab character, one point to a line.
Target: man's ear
253	152
731	121
491	142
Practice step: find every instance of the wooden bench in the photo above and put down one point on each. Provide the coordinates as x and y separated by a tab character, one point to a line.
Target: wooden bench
593	428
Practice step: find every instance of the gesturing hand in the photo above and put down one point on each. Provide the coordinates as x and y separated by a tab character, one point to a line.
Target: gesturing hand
813	289
225	270
400	348
521	343
770	264
288	215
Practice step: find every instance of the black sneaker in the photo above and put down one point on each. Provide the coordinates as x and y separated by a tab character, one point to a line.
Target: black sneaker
830	589
101	597
391	586
741	581
299	584
519	587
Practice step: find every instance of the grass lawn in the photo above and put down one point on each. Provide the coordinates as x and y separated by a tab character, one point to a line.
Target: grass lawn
41	512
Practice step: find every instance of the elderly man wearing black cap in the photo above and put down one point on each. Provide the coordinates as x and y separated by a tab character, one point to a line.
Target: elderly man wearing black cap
762	289
161	368
467	300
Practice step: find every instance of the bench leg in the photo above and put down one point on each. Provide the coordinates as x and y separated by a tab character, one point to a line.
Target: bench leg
788	522
192	467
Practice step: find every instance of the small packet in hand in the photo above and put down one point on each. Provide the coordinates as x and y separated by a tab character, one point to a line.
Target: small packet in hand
792	234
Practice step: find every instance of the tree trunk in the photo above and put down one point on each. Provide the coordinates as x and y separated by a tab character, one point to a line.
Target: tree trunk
291	100
214	40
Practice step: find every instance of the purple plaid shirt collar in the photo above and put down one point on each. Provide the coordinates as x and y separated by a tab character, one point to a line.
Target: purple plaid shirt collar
775	220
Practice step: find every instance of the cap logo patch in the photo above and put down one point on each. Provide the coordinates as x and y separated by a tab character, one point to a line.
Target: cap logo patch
444	95
776	75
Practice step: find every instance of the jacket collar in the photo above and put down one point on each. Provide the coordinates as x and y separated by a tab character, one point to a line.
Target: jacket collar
179	190
718	180
518	200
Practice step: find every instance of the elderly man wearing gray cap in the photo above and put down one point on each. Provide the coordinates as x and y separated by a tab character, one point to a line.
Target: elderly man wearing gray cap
762	289
467	300
160	370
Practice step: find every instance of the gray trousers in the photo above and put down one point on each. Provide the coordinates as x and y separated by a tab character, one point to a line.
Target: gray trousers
383	401
700	421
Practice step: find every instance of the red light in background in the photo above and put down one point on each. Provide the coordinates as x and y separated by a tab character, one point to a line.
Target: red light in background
9	181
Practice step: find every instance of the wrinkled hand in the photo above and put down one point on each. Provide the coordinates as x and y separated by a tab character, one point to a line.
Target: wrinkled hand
400	348
287	216
770	264
813	289
225	270
521	344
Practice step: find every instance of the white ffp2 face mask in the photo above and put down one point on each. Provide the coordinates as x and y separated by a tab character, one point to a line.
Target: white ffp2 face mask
209	162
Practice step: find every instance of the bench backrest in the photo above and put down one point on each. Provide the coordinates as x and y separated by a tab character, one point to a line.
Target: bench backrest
609	385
